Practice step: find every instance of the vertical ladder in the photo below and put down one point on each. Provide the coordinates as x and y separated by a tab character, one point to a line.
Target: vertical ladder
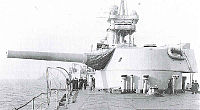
187	61
189	66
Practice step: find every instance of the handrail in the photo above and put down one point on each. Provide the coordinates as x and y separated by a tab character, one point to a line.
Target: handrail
49	89
33	99
29	101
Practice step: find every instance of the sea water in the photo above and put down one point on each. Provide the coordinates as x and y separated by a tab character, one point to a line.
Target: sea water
16	92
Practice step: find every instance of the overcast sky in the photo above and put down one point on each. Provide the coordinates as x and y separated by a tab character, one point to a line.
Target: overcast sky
74	25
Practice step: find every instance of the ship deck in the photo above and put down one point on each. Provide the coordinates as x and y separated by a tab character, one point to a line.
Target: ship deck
101	100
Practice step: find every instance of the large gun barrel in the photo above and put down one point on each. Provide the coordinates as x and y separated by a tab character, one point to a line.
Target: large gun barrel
96	61
49	56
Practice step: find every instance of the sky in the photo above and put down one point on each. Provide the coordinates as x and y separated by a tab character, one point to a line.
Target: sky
73	26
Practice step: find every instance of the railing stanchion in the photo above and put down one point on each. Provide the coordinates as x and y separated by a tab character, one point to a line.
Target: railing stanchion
66	102
41	103
33	103
57	99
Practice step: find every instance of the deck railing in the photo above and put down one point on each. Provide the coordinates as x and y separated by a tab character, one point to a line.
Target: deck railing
36	106
45	104
33	102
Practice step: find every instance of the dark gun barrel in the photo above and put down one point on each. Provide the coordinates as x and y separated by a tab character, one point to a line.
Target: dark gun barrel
49	56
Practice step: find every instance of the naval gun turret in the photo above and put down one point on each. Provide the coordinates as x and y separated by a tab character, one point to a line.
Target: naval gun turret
125	66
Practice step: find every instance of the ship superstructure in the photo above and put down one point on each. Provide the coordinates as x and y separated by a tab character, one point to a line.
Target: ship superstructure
123	66
122	24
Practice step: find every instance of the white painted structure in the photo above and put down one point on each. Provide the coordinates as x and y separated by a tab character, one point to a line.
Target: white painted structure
152	61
